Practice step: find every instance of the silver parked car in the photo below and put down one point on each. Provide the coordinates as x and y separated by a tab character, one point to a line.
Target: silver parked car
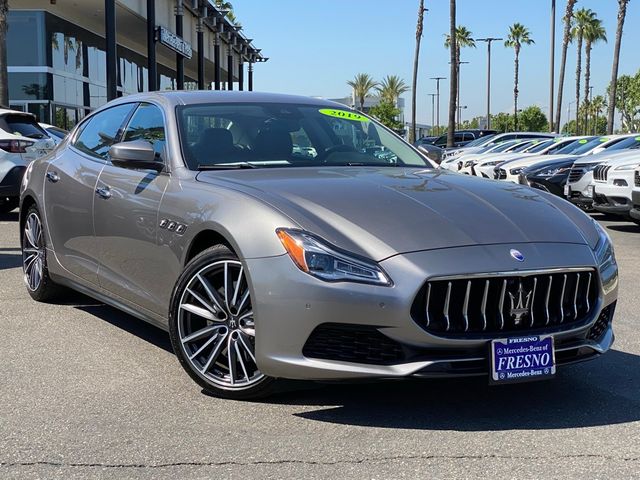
192	211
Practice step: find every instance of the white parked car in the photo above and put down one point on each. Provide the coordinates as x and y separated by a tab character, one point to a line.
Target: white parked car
563	146
613	183
540	151
21	141
57	134
477	144
454	163
579	187
515	151
635	196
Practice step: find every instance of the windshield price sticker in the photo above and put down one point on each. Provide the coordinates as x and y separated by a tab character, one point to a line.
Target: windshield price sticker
330	112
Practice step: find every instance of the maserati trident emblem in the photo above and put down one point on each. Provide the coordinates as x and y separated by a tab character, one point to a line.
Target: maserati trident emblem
520	304
517	255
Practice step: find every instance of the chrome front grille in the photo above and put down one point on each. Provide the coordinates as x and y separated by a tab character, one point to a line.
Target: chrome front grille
636	178
500	304
601	172
576	173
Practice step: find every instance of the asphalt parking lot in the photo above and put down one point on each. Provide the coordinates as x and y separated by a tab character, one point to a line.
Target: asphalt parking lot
89	392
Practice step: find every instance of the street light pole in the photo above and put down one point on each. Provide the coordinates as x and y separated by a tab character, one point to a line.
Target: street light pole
437	79
433	98
488	41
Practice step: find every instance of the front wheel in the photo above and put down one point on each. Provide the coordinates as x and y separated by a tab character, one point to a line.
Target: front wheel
212	326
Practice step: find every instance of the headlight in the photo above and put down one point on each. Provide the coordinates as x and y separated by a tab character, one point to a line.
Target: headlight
492	164
469	163
631	166
515	171
590	166
316	257
553	172
604	249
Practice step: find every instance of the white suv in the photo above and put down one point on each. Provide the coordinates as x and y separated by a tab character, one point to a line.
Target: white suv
613	183
579	187
21	141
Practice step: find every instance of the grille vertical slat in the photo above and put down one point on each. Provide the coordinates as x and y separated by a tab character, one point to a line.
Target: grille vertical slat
465	306
502	294
446	306
500	304
547	300
484	305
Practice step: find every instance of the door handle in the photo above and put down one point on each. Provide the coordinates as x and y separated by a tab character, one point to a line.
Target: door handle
53	177
104	192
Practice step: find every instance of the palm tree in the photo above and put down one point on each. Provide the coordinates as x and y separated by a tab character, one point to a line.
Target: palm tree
519	35
416	58
583	17
464	38
594	33
596	107
362	84
622	13
4	76
390	89
568	15
453	77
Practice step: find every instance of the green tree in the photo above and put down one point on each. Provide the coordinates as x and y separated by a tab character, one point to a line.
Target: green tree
533	119
387	114
518	36
391	88
222	5
464	38
502	122
594	33
622	13
362	84
583	18
627	99
568	16
416	61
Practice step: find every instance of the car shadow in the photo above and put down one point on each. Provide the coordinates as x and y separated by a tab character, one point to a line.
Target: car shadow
10	258
141	329
602	392
627	228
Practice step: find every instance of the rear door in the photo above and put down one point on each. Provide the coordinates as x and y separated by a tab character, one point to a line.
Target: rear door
126	218
70	190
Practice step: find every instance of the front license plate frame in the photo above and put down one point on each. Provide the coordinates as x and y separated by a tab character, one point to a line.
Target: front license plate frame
590	191
567	190
522	359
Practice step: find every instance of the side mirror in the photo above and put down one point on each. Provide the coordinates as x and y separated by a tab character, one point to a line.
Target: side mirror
137	154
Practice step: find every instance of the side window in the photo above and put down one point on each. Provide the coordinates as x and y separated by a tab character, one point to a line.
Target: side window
102	131
147	124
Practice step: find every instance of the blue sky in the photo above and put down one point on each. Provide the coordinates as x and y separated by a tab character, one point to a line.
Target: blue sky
316	46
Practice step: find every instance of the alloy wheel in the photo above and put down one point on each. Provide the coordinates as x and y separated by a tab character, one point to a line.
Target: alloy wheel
33	252
216	326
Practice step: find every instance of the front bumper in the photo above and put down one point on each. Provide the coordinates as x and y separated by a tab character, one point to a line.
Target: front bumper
287	320
554	185
580	193
609	198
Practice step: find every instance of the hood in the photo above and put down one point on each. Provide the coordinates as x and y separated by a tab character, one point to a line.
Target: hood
380	212
606	156
546	165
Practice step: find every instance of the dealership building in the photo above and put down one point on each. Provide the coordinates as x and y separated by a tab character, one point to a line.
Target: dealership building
68	57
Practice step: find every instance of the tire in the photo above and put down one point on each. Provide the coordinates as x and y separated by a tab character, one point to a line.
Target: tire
8	204
34	259
212	328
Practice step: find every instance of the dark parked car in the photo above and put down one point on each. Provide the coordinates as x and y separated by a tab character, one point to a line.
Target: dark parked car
549	176
463	137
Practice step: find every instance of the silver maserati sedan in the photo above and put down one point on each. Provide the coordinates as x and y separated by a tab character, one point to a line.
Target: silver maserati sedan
282	237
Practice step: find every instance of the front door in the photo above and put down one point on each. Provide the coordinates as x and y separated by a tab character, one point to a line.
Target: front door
126	218
70	189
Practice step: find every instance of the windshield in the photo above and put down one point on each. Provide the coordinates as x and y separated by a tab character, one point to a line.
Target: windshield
481	141
519	147
501	147
588	145
287	135
540	146
23	125
629	142
575	145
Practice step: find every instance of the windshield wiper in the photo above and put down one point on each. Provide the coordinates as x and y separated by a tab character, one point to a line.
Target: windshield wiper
226	166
